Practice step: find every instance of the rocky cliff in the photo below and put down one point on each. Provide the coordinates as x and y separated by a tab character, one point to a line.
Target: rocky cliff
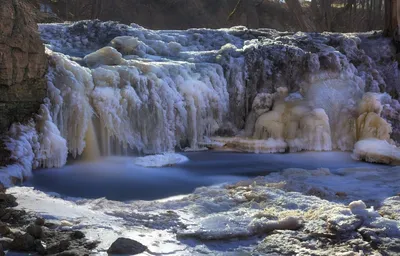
23	63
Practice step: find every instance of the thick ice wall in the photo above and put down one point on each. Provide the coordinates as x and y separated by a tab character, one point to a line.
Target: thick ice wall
268	61
147	106
222	46
201	76
156	106
69	88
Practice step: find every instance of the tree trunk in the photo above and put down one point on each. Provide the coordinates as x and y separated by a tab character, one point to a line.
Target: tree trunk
302	18
326	11
398	14
316	15
391	17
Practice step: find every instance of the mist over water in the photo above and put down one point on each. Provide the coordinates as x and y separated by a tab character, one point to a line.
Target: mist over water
118	178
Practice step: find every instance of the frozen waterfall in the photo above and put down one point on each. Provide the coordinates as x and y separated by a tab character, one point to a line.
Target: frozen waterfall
115	89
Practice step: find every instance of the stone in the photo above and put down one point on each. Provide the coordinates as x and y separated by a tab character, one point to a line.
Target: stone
35	231
77	235
2	253
51	225
91	245
39	248
23	243
40	221
126	246
2	188
5	242
7	200
61	246
4	229
6	216
71	253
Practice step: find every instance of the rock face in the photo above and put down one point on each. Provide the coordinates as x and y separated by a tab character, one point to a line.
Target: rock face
23	63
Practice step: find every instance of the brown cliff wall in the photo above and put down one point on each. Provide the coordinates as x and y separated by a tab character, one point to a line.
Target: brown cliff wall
23	63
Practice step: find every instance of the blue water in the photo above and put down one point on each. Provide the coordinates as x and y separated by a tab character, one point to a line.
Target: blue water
117	178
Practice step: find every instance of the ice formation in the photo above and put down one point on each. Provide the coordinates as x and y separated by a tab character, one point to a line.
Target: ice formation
264	87
123	89
376	151
36	144
166	159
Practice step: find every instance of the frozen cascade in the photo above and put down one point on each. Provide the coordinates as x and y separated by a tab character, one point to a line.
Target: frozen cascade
122	89
149	107
69	86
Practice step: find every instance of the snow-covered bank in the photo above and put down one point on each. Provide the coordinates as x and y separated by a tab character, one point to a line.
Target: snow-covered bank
316	212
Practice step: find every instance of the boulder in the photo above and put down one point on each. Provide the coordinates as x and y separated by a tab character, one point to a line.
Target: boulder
40	221
77	235
61	246
4	229
126	246
7	200
23	243
39	247
5	242
35	231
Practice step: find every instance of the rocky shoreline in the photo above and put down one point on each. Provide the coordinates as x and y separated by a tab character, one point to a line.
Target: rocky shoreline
23	231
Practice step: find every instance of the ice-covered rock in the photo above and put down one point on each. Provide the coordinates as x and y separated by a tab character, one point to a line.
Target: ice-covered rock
104	56
376	151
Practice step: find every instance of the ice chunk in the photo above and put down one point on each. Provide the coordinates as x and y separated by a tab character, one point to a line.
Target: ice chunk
262	226
376	151
358	208
105	56
165	159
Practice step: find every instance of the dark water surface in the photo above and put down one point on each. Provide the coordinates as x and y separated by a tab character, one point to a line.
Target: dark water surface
117	178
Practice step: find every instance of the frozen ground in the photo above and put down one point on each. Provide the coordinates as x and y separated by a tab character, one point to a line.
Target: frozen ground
125	178
292	212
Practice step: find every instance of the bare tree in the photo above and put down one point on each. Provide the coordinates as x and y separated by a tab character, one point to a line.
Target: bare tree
249	8
392	8
302	18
